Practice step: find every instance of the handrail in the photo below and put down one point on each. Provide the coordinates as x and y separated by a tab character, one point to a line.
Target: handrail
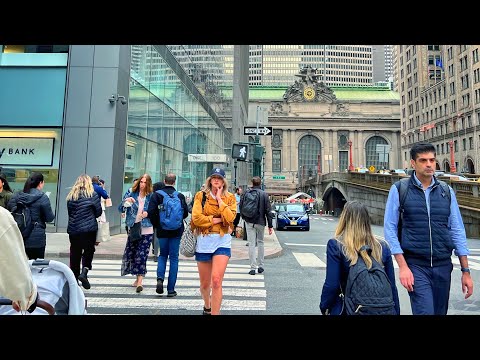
40	303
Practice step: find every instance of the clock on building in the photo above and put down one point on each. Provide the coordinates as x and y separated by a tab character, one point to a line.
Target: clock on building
309	93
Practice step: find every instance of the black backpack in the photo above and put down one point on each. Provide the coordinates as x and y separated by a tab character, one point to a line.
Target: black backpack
368	291
402	187
23	217
251	204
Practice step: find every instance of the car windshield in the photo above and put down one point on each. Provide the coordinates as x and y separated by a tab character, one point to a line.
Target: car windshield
291	207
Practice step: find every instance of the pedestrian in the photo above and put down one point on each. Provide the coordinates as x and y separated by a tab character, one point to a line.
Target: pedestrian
238	194
155	222
99	187
5	191
353	231
256	211
83	206
16	281
431	228
41	213
135	203
168	236
213	221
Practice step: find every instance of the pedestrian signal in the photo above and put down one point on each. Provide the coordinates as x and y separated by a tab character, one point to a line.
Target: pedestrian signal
240	152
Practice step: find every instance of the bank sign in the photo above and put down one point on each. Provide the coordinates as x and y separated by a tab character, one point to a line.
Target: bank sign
26	151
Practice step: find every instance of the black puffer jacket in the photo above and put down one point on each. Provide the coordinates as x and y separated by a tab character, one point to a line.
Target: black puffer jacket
41	211
83	213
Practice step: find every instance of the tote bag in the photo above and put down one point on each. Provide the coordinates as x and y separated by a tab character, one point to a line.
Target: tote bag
188	242
103	232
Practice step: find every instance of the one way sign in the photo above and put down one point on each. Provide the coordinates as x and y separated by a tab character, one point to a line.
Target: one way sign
264	130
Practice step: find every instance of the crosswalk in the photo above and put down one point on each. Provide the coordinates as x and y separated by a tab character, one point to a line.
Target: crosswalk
112	294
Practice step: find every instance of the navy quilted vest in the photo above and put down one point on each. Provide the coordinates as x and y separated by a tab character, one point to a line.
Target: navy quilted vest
426	240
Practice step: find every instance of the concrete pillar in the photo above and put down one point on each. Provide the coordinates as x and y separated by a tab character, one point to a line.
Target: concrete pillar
94	133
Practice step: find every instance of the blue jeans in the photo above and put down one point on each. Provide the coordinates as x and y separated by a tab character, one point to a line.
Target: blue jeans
169	248
431	289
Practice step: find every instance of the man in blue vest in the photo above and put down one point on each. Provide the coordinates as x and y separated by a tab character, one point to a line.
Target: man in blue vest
431	229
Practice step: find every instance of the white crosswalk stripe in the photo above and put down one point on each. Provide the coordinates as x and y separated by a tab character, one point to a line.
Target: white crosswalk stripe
312	260
309	260
114	294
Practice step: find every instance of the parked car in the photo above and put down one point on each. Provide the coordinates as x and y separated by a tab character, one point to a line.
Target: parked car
455	177
292	216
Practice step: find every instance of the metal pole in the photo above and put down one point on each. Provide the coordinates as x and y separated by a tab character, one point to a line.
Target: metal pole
257	136
263	171
235	172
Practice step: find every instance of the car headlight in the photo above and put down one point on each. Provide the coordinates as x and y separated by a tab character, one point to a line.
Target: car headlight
304	217
280	216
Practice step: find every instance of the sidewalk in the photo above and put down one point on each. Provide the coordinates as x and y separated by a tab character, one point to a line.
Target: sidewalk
58	245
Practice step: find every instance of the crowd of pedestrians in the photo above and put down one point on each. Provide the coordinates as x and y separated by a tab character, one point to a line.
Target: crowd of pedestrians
422	226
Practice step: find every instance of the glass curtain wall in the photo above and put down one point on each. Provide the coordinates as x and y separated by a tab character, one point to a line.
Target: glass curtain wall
166	122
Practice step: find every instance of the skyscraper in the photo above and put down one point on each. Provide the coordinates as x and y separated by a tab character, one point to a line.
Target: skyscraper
277	65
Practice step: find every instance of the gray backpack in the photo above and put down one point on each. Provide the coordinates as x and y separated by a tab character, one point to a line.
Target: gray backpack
368	291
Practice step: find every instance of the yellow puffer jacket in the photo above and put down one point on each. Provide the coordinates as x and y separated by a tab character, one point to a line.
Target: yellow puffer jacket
204	221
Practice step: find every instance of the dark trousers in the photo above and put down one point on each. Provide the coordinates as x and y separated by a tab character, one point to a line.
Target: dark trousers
35	253
431	289
82	248
236	221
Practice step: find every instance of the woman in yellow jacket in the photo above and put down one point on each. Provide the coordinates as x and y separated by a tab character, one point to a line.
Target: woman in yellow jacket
214	223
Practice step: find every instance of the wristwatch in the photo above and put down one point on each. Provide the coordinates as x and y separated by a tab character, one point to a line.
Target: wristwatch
467	270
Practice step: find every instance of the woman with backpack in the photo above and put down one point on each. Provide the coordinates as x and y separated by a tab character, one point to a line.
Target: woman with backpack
40	211
352	243
135	203
83	206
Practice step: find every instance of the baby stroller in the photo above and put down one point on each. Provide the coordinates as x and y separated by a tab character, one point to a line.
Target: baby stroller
56	286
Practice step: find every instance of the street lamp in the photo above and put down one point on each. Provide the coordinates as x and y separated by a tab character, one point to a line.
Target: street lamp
453	168
350	167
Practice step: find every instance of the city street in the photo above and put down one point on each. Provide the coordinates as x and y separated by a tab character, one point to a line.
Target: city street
291	284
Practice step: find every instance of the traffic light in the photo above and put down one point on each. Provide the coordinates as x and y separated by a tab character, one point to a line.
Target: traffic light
258	153
240	152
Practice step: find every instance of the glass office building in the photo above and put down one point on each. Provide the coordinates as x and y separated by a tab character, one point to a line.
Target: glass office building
68	110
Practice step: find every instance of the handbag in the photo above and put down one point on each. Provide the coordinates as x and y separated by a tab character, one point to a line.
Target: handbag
103	232
188	242
135	232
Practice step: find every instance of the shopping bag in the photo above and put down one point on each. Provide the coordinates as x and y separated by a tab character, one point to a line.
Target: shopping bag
103	232
108	202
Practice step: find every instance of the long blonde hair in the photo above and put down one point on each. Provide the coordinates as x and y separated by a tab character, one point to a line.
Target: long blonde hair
82	187
208	186
354	231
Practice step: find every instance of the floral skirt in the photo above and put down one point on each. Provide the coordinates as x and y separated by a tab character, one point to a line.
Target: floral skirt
135	256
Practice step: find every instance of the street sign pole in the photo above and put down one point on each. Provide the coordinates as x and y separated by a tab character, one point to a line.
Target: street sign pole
235	172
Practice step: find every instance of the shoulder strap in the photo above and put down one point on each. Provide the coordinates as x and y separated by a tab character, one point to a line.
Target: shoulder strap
402	187
446	189
163	193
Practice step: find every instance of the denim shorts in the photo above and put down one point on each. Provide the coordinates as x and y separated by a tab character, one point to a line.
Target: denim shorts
209	256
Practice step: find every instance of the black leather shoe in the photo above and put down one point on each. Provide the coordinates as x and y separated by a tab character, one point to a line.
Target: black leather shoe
159	288
207	311
172	293
260	270
252	272
83	278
